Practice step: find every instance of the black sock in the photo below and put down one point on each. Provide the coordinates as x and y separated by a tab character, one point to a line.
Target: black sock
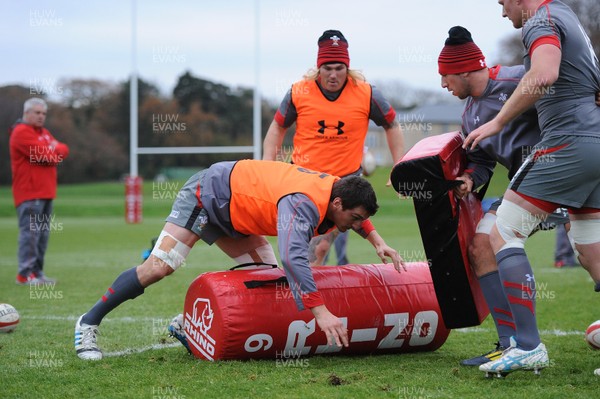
597	286
126	286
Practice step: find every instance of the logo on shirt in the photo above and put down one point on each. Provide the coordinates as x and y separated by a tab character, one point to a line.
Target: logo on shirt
476	120
337	127
503	97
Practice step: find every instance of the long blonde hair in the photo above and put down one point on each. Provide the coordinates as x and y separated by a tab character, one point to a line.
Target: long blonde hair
353	74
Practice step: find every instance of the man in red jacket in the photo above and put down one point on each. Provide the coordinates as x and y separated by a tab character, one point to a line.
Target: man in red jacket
34	155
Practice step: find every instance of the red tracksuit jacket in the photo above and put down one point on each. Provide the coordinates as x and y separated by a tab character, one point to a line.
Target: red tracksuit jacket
33	162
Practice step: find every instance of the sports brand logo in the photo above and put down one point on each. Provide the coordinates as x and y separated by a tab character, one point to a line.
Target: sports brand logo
197	327
338	128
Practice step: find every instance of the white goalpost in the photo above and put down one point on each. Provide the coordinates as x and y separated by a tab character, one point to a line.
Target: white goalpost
133	192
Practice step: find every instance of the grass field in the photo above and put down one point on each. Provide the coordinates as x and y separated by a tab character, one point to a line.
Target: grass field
91	244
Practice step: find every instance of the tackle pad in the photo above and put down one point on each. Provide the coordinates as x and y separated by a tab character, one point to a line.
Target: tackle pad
427	175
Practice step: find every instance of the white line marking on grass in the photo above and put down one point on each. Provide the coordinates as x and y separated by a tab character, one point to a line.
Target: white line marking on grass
556	332
471	330
130	351
124	352
111	319
560	333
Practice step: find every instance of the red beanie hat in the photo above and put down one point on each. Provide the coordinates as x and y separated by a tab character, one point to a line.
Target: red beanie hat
333	47
460	54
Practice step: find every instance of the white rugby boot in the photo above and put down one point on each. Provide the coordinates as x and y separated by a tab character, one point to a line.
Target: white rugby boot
176	331
514	359
85	341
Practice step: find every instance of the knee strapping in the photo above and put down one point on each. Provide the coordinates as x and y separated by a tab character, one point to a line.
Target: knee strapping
515	223
586	231
170	250
486	223
262	254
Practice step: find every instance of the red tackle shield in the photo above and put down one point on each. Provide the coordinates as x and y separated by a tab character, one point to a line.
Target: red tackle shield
427	174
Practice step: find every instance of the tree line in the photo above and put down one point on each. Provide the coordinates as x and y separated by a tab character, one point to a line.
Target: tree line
92	117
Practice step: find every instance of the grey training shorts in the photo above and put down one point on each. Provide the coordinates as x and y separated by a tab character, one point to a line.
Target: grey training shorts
187	211
566	171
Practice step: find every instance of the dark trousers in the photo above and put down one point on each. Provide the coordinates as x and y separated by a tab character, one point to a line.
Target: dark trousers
564	250
35	222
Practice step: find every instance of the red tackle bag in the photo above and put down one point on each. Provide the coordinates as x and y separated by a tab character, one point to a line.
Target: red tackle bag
243	314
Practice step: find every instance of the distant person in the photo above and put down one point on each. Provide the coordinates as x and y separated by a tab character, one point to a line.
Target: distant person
235	204
332	106
564	255
34	155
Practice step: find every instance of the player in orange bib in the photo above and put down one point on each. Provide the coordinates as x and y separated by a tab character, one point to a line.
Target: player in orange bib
236	204
332	107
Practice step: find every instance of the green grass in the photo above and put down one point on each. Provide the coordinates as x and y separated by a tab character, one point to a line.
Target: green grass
92	244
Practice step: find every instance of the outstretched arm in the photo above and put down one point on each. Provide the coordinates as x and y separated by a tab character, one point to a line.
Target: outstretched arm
273	141
545	65
297	219
331	325
384	251
367	230
395	140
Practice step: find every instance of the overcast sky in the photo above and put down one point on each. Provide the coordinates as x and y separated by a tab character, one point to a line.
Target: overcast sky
395	40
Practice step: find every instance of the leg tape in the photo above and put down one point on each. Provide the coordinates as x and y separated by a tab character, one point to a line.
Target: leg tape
170	250
486	223
514	224
585	231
